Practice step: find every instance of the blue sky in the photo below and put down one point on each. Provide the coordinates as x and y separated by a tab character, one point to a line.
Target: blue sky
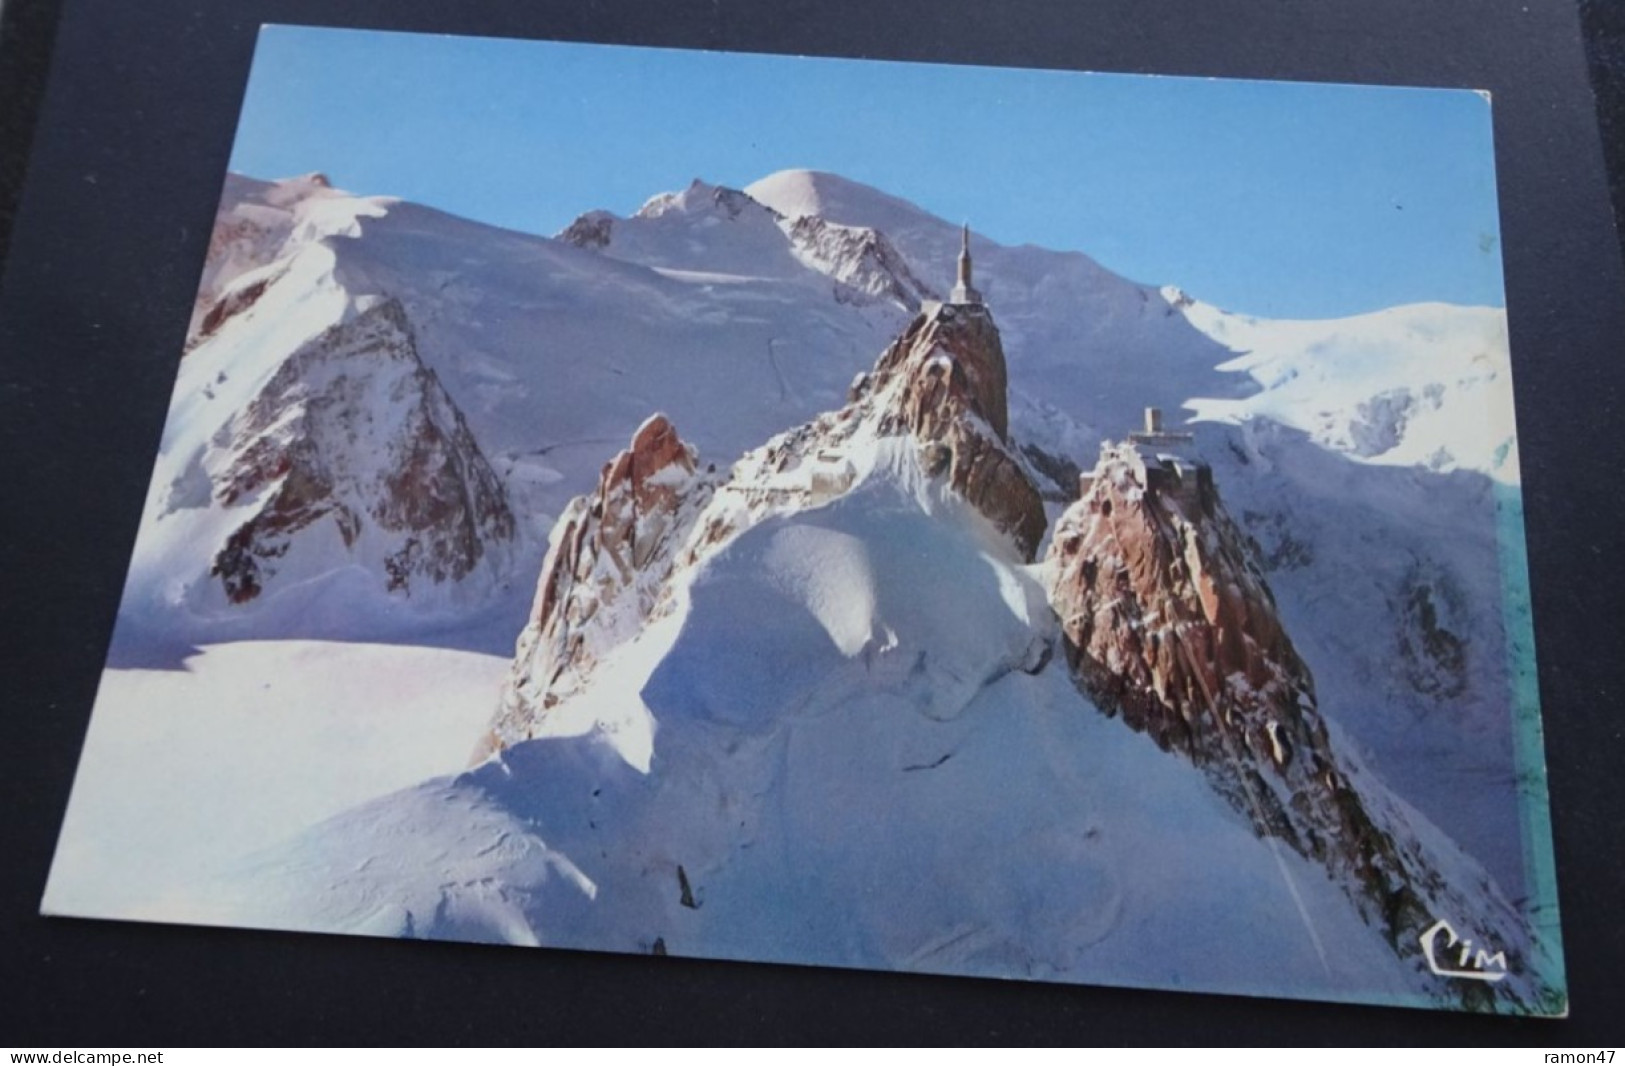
1276	199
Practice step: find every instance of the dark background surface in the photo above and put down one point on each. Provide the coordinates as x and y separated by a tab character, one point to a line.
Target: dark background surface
132	117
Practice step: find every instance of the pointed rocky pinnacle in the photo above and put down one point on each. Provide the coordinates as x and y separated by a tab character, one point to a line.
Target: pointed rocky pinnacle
944	381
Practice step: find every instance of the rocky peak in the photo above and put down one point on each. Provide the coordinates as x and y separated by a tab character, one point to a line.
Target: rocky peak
352	445
944	381
950	361
638	492
863	263
1168	617
1168	622
591	230
607	567
702	196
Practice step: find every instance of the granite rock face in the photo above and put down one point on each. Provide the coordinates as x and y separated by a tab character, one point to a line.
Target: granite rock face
607	565
352	449
944	381
1169	616
1169	623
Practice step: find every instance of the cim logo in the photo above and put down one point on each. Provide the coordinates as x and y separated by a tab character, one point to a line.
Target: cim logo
1455	957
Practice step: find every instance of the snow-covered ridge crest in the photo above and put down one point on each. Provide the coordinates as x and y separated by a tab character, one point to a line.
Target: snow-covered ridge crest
799	193
698	196
261	223
930	419
726	232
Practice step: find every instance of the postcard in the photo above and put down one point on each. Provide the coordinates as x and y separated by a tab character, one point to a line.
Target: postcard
976	521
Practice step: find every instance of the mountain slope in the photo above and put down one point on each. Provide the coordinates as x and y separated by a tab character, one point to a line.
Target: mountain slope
553	350
1370	456
1425	385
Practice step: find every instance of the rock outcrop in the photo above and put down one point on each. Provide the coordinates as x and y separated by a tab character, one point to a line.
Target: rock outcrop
254	223
1169	623
861	261
607	565
944	381
353	449
591	230
1169	619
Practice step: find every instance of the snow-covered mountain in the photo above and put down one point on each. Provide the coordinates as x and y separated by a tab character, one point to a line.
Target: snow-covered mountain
351	430
1423	385
773	713
724	232
622	559
383	410
312	466
545	350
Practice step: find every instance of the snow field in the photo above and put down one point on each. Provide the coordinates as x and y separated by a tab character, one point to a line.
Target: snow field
186	771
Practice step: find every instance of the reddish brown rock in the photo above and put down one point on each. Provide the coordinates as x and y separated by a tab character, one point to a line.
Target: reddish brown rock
944	380
635	502
1169	623
1166	614
232	303
953	361
622	521
311	447
607	565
